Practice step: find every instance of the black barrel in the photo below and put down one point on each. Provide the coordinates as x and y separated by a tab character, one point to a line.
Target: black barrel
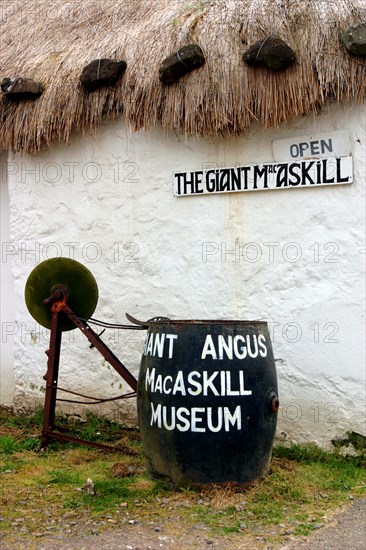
207	401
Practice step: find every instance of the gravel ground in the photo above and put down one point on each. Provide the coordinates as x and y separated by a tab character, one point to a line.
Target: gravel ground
347	531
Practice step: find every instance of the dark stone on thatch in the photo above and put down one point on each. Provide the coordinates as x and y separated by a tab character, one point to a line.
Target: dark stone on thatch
185	60
102	72
354	39
21	88
270	52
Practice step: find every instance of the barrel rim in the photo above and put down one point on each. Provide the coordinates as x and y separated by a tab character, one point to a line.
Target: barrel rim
190	322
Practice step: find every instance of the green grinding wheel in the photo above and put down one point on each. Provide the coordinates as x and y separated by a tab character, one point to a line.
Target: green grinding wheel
82	287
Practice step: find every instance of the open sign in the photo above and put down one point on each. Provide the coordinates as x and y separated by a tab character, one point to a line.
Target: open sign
332	144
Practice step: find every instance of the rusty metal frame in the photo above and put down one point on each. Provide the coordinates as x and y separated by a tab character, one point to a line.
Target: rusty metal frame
59	304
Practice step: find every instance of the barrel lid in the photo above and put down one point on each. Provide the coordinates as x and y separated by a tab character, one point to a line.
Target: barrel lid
167	321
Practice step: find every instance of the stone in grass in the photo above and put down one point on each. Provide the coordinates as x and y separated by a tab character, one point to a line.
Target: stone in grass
19	88
270	52
185	60
88	487
354	39
200	527
120	469
102	72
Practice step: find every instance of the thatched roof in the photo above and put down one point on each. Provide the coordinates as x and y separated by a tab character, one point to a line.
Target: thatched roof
51	42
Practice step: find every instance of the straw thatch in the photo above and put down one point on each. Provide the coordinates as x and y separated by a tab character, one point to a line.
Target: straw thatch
51	42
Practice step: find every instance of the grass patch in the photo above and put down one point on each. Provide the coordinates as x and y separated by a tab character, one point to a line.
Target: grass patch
94	428
304	484
312	454
8	445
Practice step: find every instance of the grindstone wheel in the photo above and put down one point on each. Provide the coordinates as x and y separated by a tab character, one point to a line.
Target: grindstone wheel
79	281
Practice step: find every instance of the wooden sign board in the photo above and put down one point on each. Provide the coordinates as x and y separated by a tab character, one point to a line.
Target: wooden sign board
315	173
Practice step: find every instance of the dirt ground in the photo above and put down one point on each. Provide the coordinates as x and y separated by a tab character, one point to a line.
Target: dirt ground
345	530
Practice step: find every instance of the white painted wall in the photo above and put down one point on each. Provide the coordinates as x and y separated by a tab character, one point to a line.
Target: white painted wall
7	320
111	195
